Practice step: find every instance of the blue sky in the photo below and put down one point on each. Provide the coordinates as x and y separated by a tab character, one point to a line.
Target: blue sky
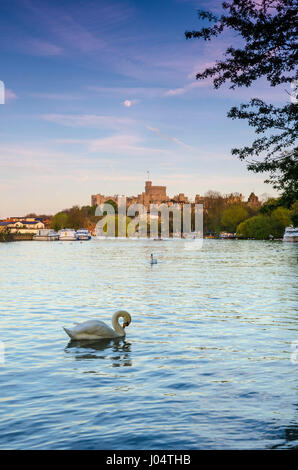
99	92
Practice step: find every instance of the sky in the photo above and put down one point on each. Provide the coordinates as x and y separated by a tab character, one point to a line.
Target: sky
100	92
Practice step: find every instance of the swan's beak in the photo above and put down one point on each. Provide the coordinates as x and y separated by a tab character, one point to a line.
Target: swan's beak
125	324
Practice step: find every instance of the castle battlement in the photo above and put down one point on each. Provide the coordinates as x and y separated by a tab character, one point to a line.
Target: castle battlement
158	195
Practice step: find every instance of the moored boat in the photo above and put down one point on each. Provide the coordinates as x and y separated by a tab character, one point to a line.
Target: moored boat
46	235
227	235
83	234
67	234
291	234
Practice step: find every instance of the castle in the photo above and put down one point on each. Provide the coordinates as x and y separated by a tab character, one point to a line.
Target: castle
158	195
151	195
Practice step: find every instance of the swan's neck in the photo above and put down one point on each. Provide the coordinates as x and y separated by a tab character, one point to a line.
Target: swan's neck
116	325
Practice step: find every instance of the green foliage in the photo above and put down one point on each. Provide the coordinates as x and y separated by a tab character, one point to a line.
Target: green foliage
6	235
280	219
294	214
270	205
88	211
76	218
232	217
263	227
258	227
59	221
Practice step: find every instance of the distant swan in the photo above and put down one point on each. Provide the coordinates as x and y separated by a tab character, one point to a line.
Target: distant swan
153	260
96	329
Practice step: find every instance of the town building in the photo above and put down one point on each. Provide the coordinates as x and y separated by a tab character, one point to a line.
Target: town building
22	225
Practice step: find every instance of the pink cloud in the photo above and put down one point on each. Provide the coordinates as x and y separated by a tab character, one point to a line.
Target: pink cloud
9	95
188	87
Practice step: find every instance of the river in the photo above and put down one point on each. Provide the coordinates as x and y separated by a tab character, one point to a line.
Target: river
208	362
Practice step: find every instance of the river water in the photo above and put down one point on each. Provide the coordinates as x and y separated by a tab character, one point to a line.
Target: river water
208	361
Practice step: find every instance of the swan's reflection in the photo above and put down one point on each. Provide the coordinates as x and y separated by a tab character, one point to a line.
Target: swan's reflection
116	349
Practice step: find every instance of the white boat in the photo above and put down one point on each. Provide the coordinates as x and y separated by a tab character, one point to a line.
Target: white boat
192	235
291	234
227	235
67	234
46	235
83	234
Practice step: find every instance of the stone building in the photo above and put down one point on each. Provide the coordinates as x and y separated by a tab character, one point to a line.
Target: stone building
158	195
253	201
234	198
180	199
151	195
199	199
98	199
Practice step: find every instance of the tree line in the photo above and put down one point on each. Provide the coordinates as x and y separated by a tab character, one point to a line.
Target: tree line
264	221
261	222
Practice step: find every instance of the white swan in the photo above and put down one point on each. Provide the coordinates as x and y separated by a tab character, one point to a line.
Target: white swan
96	329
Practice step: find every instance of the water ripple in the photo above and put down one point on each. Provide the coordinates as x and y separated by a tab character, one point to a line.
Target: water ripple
205	364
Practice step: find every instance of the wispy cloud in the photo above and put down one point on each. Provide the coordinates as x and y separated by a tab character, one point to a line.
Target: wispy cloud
168	137
87	120
42	48
188	87
146	92
126	145
81	26
56	96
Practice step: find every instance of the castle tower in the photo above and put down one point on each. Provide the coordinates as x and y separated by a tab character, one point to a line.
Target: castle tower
148	185
253	201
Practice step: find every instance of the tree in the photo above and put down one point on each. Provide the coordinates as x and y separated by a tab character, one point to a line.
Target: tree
232	217
294	214
258	227
264	226
76	218
280	219
270	205
59	221
268	31
214	204
88	211
6	235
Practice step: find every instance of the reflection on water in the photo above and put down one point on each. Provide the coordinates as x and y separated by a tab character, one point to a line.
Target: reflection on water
206	363
118	350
